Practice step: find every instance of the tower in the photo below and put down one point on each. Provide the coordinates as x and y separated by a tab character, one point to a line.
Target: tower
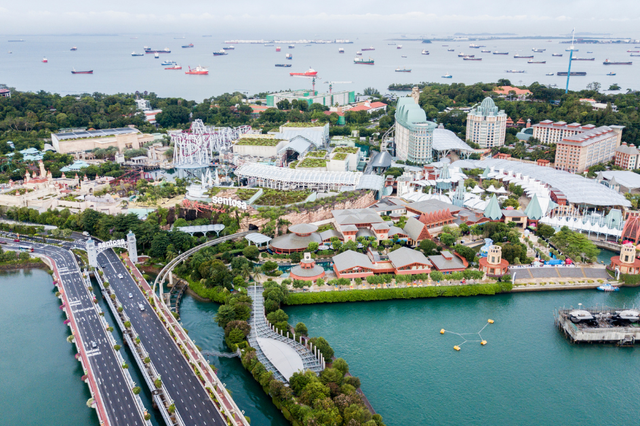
92	253
494	256
131	246
627	254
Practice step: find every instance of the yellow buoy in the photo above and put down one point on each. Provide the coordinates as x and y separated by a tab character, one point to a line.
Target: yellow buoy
457	348
490	321
484	342
442	331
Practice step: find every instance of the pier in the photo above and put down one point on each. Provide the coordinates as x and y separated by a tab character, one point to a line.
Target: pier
599	325
279	353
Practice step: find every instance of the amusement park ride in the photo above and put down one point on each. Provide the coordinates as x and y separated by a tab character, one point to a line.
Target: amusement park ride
194	149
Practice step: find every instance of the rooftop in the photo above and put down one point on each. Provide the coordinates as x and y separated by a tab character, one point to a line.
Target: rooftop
350	259
356	216
444	139
504	90
590	136
405	256
95	133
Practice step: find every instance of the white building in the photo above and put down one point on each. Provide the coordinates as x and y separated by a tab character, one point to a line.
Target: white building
413	133
549	132
486	125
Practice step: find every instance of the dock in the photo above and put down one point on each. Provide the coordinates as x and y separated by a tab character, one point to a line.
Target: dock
620	326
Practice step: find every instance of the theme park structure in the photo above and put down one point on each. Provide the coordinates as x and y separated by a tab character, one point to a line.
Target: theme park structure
195	148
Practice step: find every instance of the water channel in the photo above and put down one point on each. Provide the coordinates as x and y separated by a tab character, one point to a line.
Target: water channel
527	374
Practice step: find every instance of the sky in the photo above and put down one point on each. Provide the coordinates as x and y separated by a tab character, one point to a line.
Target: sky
320	19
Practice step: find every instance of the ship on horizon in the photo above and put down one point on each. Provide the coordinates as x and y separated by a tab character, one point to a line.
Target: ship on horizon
199	70
73	71
187	46
149	50
362	61
608	62
221	52
308	73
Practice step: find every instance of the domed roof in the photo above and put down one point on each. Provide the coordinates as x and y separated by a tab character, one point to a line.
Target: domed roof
487	103
487	107
303	228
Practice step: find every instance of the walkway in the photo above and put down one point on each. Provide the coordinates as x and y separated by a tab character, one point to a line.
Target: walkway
264	339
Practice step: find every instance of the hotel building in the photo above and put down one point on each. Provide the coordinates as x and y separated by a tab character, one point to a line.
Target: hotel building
548	132
486	125
414	134
577	153
627	156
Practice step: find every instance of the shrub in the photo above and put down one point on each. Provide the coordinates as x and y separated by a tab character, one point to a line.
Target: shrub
136	390
116	347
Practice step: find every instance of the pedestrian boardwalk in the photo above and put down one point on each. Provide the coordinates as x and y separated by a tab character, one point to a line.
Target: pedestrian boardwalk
260	329
558	272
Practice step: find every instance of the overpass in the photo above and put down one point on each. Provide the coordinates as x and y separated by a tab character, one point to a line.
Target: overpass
109	383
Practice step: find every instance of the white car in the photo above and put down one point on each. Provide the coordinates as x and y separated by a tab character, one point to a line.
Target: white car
130	295
141	306
120	276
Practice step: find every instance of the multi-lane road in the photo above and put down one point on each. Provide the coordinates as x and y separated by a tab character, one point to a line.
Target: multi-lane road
189	396
115	391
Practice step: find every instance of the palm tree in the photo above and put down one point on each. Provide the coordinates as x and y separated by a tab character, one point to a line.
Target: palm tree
245	270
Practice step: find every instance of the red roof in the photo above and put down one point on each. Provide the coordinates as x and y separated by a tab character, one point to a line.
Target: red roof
367	106
333	112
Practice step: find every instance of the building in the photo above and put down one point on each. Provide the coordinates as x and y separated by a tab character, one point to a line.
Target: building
307	270
548	132
368	106
577	153
622	181
313	97
413	133
447	262
626	263
403	261
598	105
627	156
256	145
149	114
5	92
493	264
510	91
486	125
299	238
121	138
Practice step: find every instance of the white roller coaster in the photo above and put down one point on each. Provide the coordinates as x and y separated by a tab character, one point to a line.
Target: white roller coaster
195	148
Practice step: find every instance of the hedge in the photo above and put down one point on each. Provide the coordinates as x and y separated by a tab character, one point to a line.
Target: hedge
396	293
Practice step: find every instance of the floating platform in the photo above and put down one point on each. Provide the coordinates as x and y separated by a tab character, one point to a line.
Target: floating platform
619	326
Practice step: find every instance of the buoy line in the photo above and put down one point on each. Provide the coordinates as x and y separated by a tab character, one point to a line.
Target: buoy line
465	340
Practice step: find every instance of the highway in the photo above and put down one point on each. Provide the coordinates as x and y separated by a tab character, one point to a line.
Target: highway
114	390
189	396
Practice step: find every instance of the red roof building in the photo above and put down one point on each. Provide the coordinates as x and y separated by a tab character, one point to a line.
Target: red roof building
370	107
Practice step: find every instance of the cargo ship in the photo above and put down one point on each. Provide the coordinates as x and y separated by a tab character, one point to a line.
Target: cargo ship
291	46
197	71
148	50
471	58
174	67
341	50
515	71
81	72
368	48
403	70
425	52
284	65
523	56
358	53
485	51
538	50
137	54
229	48
156	56
447	76
608	62
45	60
557	54
500	53
536	62
278	49
220	53
573	73
399	46
633	51
475	46
570	49
73	49
288	56
550	73
451	50
168	63
362	61
583	59
308	73
463	55
611	73
636	54
188	46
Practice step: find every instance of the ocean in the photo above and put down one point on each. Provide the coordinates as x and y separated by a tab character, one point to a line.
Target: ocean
250	68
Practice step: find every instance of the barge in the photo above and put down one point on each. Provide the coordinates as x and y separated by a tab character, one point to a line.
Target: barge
619	326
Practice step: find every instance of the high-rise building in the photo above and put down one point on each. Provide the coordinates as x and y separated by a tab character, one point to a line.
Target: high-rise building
414	134
548	132
577	153
486	125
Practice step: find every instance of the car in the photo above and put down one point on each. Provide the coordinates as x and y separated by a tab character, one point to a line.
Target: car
120	276
3	242
94	344
16	240
141	306
130	295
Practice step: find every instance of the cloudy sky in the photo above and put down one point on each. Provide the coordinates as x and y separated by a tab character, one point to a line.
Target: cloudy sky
327	18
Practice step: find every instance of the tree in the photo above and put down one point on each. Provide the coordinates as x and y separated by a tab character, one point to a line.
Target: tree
516	190
277	316
225	315
269	267
159	245
447	239
313	246
251	252
323	346
301	329
436	276
283	104
341	365
428	247
614	86
510	202
594	85
575	245
468	253
173	116
545	231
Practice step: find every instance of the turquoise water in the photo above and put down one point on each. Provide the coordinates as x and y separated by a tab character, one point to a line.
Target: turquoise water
606	255
39	376
527	374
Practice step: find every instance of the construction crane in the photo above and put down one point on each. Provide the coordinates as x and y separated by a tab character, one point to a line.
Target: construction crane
331	83
573	33
313	81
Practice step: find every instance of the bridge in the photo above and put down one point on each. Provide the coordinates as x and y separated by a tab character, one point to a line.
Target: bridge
279	353
175	295
102	364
